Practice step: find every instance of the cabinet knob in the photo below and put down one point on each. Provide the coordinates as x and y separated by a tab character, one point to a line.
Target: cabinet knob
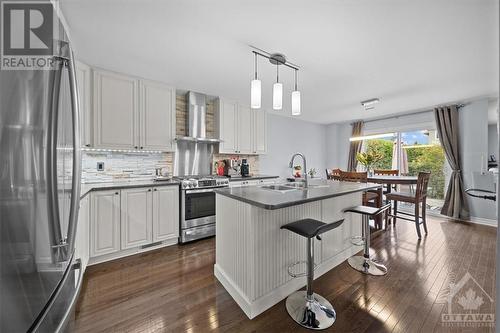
142	147
135	147
149	190
155	190
116	193
87	145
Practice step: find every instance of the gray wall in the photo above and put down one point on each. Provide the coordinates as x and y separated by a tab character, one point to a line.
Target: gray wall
337	136
492	140
287	136
473	121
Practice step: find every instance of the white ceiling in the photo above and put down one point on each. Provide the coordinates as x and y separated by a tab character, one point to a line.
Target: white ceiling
410	54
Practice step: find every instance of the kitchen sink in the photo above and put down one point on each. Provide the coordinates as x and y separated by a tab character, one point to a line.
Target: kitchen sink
302	185
279	188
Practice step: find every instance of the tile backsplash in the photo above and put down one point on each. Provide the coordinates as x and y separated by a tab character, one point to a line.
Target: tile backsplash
123	166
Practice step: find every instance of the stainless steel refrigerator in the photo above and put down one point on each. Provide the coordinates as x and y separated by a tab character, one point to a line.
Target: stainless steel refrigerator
40	171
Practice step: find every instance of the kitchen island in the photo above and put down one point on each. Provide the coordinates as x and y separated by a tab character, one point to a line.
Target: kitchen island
253	253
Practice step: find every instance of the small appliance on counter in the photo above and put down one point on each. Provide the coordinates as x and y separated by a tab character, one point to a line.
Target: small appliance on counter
232	168
245	168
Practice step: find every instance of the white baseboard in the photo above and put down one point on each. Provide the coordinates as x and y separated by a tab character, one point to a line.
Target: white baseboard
130	252
482	221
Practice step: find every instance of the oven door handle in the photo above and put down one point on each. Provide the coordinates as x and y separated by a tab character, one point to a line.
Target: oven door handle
205	190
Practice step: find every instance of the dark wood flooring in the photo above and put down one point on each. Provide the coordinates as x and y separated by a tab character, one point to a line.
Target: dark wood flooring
174	289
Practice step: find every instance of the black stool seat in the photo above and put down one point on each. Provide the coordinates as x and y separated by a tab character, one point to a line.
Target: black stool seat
310	228
365	210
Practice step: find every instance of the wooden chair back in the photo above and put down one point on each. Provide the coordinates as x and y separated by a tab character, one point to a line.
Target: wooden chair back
386	172
333	174
422	185
348	176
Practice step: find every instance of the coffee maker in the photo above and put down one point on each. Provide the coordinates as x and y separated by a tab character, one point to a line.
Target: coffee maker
245	168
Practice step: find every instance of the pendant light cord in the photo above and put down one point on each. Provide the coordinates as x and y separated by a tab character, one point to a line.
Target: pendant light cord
295	80
277	73
255	65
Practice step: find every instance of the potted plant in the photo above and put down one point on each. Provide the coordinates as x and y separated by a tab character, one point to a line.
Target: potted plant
368	159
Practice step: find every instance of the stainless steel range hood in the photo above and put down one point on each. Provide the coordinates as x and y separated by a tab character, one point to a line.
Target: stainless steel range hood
197	112
194	153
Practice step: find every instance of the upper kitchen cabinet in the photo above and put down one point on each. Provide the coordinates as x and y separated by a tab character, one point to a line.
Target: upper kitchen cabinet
83	81
157	116
116	111
259	121
245	130
241	129
227	121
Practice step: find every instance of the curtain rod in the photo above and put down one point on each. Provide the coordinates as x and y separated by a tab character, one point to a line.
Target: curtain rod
398	115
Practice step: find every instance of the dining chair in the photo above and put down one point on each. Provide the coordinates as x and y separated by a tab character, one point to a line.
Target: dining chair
370	198
418	198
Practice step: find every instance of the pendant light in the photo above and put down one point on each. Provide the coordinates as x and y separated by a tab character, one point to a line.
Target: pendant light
277	92
296	99
255	89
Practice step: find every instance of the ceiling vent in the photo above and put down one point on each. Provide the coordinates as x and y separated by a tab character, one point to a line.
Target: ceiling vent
369	104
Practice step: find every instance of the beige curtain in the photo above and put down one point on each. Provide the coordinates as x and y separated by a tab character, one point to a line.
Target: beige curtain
354	146
455	201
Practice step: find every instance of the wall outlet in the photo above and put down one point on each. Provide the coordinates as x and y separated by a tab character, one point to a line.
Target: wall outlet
100	166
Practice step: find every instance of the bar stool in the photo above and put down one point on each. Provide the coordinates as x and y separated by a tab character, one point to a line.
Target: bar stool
308	309
363	263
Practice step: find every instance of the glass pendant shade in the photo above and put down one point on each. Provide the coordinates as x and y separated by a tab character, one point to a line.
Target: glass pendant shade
255	94
277	96
296	103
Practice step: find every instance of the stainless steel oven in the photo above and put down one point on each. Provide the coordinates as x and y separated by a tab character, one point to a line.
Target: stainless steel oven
197	218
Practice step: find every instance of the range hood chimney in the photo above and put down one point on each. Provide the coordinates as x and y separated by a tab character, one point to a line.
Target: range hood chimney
197	112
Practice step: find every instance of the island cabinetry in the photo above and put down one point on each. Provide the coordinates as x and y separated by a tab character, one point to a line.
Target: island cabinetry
253	253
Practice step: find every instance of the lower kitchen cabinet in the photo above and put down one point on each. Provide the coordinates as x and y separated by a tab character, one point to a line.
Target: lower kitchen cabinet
132	220
82	233
104	222
136	217
165	213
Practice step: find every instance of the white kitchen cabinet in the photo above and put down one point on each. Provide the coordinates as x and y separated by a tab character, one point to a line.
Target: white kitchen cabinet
241	129
116	110
136	217
157	116
227	123
83	81
245	130
104	222
82	241
259	122
165	213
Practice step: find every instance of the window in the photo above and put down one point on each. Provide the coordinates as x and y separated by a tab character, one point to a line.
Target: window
412	152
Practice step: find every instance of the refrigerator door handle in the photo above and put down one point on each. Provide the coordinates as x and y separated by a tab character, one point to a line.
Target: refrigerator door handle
59	249
76	179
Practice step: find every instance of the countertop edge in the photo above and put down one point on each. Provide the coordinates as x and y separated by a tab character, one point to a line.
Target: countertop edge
99	186
241	179
295	203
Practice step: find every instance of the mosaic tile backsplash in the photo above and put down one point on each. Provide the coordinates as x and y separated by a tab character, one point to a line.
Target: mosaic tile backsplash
123	166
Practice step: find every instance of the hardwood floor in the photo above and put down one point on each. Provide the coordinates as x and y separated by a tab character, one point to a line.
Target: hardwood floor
174	289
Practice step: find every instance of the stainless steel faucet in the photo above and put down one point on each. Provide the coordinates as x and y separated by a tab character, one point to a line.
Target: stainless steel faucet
305	165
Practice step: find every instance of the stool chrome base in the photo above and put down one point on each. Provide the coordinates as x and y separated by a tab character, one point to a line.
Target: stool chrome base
316	315
367	266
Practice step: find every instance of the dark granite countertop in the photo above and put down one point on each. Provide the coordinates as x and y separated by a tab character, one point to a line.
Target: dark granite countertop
252	177
86	188
271	199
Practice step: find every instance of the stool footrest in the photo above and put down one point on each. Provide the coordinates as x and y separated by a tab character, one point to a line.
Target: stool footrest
295	275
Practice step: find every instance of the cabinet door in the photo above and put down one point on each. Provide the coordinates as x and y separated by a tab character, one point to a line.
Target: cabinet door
136	219
245	130
228	126
82	242
104	222
259	131
157	116
84	93
165	213
116	109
